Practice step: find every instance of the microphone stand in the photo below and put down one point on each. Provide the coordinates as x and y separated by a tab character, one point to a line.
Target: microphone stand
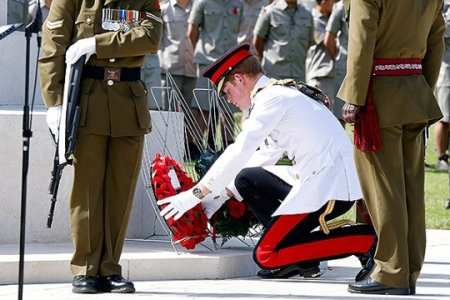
33	27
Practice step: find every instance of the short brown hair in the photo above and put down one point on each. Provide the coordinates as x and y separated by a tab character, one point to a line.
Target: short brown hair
249	66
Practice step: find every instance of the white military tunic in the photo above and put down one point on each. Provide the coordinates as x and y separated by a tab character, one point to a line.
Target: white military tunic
285	121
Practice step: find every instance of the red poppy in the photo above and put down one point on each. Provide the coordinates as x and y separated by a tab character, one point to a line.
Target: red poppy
236	209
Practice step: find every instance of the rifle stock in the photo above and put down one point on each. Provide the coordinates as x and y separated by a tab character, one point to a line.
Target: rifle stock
72	119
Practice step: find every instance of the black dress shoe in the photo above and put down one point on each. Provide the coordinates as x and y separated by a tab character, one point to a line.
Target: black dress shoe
412	290
370	286
116	284
289	271
366	270
83	284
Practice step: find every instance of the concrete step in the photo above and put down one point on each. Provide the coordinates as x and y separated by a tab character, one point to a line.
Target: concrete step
141	260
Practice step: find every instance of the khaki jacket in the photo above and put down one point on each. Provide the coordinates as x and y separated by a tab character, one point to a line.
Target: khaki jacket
117	110
395	29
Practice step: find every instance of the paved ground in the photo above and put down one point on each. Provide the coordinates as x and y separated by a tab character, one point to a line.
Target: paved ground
434	283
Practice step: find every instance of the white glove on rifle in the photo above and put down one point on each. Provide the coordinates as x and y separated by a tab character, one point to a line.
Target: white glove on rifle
53	117
80	48
211	203
179	204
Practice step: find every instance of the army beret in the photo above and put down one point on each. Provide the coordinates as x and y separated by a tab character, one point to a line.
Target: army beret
217	71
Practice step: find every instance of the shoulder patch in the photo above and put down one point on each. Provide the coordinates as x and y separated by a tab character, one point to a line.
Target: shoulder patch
55	24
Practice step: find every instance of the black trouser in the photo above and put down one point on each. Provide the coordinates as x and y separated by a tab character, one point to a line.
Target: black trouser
290	239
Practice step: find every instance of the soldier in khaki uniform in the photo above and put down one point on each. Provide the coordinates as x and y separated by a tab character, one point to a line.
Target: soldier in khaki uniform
401	43
114	119
283	33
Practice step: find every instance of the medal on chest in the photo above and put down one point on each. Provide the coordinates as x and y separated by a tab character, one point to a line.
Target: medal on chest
120	19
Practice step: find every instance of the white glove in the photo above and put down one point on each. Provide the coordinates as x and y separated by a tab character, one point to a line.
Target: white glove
53	117
211	203
179	204
80	48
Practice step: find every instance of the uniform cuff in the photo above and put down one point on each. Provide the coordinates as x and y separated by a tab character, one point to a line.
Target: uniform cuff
232	188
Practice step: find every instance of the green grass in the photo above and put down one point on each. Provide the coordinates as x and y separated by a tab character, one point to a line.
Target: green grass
436	191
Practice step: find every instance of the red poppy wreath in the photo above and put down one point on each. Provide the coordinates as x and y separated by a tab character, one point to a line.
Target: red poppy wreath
232	219
168	179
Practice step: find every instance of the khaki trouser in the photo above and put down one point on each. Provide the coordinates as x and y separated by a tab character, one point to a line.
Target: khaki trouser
393	186
106	171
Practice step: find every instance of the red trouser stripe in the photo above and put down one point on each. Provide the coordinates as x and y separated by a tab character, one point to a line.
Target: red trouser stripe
267	255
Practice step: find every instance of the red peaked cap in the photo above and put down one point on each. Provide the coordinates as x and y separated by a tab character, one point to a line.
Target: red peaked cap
225	64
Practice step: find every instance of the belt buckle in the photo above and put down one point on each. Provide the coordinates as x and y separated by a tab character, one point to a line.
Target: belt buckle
112	75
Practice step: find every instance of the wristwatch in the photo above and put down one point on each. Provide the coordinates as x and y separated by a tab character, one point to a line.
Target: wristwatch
198	193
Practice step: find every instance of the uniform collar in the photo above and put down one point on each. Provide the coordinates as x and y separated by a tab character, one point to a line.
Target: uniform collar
262	82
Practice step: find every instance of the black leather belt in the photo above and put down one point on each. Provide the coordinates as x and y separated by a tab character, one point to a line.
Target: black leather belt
112	75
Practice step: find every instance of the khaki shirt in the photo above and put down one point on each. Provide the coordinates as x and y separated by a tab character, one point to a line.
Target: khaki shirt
288	33
117	110
252	8
218	22
444	74
177	54
395	29
337	25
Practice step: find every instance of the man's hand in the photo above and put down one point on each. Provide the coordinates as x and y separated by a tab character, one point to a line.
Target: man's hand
211	203
350	112
53	118
178	205
80	48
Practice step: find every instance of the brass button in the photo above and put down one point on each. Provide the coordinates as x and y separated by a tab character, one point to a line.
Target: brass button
110	82
89	21
112	60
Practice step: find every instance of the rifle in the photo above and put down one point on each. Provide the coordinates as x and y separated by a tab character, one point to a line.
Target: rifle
68	129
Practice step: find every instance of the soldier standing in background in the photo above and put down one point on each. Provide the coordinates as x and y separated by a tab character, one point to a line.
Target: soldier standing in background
441	129
177	54
114	35
394	57
319	63
151	75
252	8
336	41
283	34
213	29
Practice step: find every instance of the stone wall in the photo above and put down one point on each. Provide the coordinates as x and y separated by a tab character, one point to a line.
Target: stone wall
41	155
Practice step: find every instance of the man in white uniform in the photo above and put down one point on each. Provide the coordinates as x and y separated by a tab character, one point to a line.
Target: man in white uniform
289	201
